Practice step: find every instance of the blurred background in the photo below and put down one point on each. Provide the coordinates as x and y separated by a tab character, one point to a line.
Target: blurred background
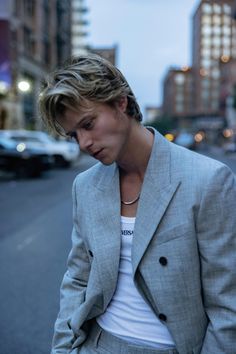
180	60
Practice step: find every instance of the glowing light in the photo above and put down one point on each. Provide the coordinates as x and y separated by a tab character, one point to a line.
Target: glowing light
169	137
24	86
228	133
185	68
198	137
203	72
225	58
21	147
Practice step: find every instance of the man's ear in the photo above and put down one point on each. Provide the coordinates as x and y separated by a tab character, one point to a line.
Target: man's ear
122	104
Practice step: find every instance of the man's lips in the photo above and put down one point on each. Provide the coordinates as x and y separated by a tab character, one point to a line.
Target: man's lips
97	153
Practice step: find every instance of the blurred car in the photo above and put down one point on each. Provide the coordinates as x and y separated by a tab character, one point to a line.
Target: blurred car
21	161
186	140
64	152
230	148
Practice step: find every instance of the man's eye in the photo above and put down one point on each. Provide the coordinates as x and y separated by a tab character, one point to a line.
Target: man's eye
88	125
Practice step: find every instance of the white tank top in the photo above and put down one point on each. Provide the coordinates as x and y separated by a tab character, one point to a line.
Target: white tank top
128	316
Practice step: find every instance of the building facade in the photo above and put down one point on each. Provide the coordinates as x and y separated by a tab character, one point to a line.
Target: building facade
36	30
79	25
109	54
214	41
178	92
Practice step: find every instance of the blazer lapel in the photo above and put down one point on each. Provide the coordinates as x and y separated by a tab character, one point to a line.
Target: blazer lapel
157	192
105	228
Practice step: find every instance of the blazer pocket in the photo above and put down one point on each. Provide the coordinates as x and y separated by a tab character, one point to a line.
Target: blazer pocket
174	232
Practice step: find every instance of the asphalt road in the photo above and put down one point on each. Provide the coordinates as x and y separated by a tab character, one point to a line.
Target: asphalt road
34	243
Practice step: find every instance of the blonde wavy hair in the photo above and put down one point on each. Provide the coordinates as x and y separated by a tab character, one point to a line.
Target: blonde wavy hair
83	79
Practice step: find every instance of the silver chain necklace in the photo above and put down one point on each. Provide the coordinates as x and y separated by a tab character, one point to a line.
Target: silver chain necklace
132	201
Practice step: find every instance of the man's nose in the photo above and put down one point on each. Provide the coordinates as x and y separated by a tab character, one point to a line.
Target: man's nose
84	139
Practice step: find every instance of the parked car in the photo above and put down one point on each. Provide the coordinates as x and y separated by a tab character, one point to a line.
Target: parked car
64	152
21	161
230	148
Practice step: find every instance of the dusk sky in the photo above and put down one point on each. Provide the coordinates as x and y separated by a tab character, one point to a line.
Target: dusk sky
151	35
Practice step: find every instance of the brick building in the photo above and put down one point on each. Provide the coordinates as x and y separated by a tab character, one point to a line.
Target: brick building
37	33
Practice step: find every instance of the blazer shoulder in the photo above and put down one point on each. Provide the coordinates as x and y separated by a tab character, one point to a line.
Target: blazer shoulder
185	158
90	176
87	174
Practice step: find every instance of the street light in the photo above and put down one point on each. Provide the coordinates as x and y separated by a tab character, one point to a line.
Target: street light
24	86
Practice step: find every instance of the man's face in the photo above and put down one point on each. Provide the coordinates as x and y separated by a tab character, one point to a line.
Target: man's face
101	130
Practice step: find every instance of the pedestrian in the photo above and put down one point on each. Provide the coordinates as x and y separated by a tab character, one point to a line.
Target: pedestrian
152	267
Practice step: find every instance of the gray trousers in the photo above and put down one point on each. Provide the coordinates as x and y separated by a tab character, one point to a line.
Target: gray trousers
102	342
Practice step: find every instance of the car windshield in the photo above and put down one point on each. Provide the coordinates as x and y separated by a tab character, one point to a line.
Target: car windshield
25	138
7	143
33	139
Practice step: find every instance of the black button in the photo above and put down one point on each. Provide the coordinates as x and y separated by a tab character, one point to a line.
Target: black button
91	253
163	261
162	317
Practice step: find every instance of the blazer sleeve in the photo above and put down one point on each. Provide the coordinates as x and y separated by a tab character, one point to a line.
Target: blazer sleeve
216	227
73	287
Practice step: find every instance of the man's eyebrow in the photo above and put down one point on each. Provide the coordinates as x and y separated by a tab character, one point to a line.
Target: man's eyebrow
71	133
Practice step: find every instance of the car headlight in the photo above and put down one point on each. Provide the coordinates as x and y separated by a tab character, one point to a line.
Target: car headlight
20	147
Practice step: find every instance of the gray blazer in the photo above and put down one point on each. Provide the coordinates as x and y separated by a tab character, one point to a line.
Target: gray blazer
183	255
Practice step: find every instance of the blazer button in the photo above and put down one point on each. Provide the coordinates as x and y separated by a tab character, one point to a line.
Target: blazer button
91	253
163	261
162	317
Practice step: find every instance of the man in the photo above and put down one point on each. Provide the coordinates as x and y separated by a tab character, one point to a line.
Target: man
152	267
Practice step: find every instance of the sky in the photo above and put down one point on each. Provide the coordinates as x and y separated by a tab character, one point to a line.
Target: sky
151	36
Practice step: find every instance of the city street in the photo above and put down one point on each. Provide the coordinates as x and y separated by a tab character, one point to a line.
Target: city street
35	240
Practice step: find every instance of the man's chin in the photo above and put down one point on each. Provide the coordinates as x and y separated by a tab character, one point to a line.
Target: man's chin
106	162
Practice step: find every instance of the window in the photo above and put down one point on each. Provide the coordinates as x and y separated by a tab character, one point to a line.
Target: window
179	97
234	52
205	63
216	30
227	9
29	44
205	94
216	41
29	7
206	8
216	52
206	52
226	41
226	30
206	20
215	104
226	20
217	8
206	30
215	73
215	84
179	79
216	20
205	83
206	41
179	107
226	52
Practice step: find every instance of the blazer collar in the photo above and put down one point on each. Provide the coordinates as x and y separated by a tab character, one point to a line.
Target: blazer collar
158	166
157	191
